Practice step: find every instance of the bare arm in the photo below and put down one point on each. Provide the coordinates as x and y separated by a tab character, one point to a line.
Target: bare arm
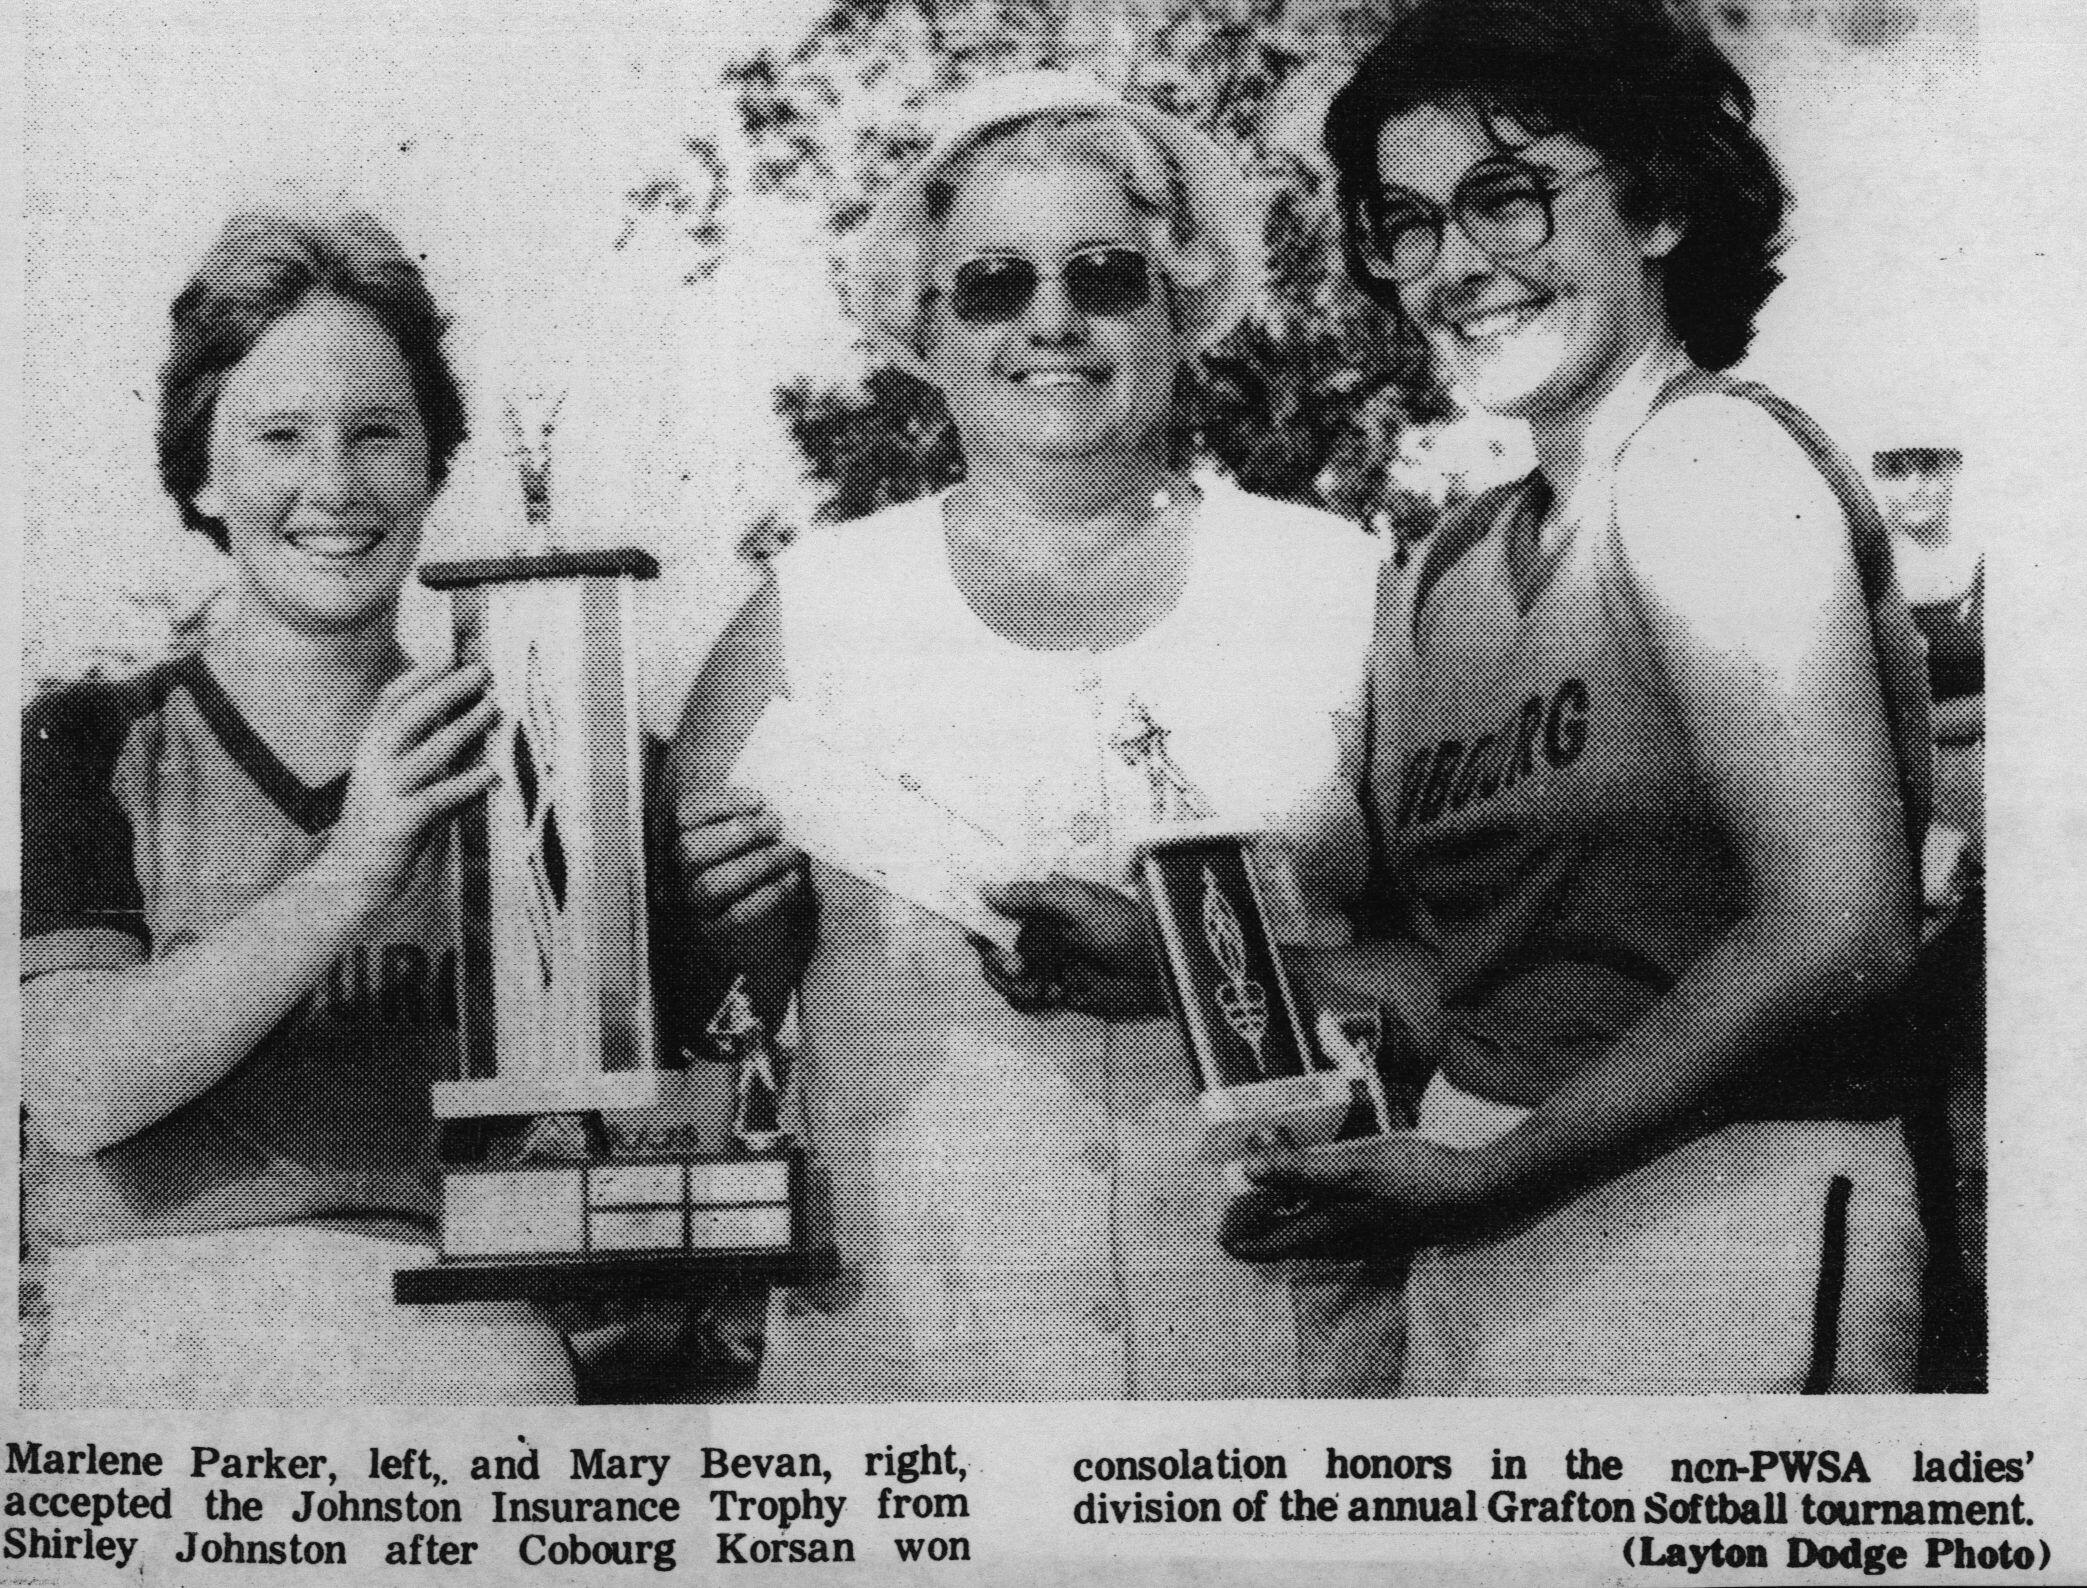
1762	631
1760	621
113	1042
738	900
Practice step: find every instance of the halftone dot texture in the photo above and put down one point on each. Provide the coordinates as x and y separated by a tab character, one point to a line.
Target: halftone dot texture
1207	207
1019	1201
1546	803
289	1315
1699	1273
152	809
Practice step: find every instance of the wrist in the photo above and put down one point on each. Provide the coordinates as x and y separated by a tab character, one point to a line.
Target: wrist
348	883
1514	1176
1476	1189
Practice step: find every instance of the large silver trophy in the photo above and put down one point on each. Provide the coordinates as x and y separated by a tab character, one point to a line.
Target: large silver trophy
557	1031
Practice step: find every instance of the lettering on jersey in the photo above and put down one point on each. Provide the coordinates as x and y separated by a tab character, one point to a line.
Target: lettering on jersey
1451	775
386	984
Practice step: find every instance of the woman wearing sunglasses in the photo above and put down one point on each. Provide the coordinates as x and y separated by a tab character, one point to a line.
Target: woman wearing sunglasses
1077	643
1649	752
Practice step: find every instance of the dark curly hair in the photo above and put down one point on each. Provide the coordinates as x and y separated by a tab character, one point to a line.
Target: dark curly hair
262	267
1655	99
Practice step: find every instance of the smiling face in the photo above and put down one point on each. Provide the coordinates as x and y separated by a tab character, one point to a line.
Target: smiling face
1053	384
1541	336
319	469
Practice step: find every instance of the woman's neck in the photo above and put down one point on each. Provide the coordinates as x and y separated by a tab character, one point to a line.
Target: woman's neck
308	694
1594	431
1074	492
1050	578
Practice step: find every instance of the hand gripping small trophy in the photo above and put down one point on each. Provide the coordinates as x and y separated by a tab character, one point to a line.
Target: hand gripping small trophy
1260	1072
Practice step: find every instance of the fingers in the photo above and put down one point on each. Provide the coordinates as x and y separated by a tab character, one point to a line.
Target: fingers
440	749
1093	933
696	807
733	892
417	676
1296	1174
1029	987
1040	980
1072	901
1017	898
1269	1138
734	866
434	699
733	860
726	833
763	902
1265	1232
439	799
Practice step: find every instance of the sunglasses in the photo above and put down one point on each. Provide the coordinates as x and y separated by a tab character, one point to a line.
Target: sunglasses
1505	207
996	288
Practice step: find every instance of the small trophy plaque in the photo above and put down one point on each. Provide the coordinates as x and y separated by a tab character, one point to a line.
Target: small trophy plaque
1261	1075
556	1020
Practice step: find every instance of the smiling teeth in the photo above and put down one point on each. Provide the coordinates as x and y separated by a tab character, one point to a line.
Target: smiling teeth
1498	321
1055	378
336	543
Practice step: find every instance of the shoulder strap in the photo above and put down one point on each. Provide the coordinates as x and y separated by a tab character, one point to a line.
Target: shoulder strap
1901	654
1463	529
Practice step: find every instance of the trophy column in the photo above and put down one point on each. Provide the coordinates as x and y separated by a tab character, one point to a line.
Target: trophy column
1261	1073
556	999
556	1020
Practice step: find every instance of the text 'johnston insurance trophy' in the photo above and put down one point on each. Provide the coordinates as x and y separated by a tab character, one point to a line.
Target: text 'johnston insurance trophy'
556	1019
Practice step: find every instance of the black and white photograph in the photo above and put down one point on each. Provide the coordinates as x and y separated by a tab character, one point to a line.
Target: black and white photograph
897	783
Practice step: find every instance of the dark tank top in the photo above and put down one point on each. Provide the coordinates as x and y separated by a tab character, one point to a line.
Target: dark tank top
1535	798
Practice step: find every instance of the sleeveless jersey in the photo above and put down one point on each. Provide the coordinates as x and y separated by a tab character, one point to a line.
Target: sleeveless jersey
1019	1200
151	807
1532	787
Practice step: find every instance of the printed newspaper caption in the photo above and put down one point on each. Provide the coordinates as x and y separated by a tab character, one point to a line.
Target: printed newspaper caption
1876	1511
572	1508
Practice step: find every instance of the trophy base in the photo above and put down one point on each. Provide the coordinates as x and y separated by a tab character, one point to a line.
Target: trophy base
610	1276
1300	1110
656	1225
590	1093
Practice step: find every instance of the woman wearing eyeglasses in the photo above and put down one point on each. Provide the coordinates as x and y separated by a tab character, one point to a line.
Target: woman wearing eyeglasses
1649	764
1079	642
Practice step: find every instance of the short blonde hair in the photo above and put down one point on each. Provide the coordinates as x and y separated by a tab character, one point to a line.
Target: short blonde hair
1201	230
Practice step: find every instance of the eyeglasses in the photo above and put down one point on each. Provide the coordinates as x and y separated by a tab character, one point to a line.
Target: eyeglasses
996	288
1503	206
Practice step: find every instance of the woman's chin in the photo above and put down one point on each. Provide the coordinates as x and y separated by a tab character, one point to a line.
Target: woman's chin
1061	445
1063	438
336	613
1506	385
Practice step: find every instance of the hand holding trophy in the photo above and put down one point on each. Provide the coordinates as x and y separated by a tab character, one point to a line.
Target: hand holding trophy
1265	1077
556	1014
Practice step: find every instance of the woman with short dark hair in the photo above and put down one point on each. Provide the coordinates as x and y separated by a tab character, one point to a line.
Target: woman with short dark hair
238	958
264	264
1665	109
1649	752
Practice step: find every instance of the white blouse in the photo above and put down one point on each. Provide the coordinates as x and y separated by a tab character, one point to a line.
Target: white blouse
1019	1201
